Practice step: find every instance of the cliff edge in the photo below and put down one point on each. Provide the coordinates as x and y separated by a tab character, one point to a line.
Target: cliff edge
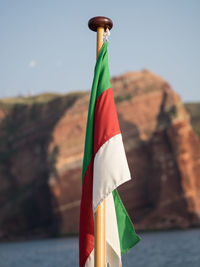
41	150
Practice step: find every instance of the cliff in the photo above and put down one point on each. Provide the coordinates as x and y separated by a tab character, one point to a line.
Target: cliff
41	150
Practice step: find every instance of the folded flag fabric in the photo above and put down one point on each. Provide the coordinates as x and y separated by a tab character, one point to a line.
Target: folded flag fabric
104	169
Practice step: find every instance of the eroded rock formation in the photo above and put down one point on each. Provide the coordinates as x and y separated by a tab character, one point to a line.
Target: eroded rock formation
41	150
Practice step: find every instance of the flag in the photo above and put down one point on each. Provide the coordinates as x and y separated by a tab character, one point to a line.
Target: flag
104	169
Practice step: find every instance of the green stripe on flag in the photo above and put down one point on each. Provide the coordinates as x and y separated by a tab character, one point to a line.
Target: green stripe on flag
127	235
101	83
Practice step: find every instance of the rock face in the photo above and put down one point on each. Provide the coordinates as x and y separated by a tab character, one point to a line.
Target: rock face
41	150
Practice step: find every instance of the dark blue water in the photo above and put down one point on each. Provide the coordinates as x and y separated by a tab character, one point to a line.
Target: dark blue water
159	249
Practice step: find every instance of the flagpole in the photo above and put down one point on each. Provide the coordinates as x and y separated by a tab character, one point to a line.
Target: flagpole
99	25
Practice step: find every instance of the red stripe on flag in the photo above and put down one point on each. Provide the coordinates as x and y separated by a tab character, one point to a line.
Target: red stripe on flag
106	124
86	228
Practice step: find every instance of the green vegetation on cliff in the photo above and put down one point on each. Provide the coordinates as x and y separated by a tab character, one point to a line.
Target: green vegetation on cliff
194	111
7	103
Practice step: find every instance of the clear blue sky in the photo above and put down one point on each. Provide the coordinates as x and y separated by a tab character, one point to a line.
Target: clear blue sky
46	46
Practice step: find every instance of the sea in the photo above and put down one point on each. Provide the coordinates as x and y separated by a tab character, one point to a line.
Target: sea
177	248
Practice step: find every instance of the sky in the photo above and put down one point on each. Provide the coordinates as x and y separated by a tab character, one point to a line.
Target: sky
46	45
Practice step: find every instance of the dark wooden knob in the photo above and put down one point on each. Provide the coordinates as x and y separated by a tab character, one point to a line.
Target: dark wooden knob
96	22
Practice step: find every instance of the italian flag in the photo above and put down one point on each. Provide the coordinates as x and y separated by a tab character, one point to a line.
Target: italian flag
104	169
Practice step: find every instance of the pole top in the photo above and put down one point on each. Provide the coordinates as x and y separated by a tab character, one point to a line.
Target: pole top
96	22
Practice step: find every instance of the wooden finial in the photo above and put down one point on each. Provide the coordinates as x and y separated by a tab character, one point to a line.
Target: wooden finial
97	22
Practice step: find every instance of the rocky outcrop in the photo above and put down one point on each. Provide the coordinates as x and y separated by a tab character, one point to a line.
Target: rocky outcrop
163	151
41	150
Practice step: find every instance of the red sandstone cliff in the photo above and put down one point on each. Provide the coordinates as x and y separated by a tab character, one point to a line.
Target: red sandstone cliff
41	146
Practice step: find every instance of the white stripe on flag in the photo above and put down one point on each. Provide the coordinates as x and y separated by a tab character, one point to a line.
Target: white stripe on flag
110	169
113	251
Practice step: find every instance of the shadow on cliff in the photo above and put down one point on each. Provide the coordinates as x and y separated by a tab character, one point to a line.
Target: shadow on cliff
26	202
136	194
162	152
167	195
